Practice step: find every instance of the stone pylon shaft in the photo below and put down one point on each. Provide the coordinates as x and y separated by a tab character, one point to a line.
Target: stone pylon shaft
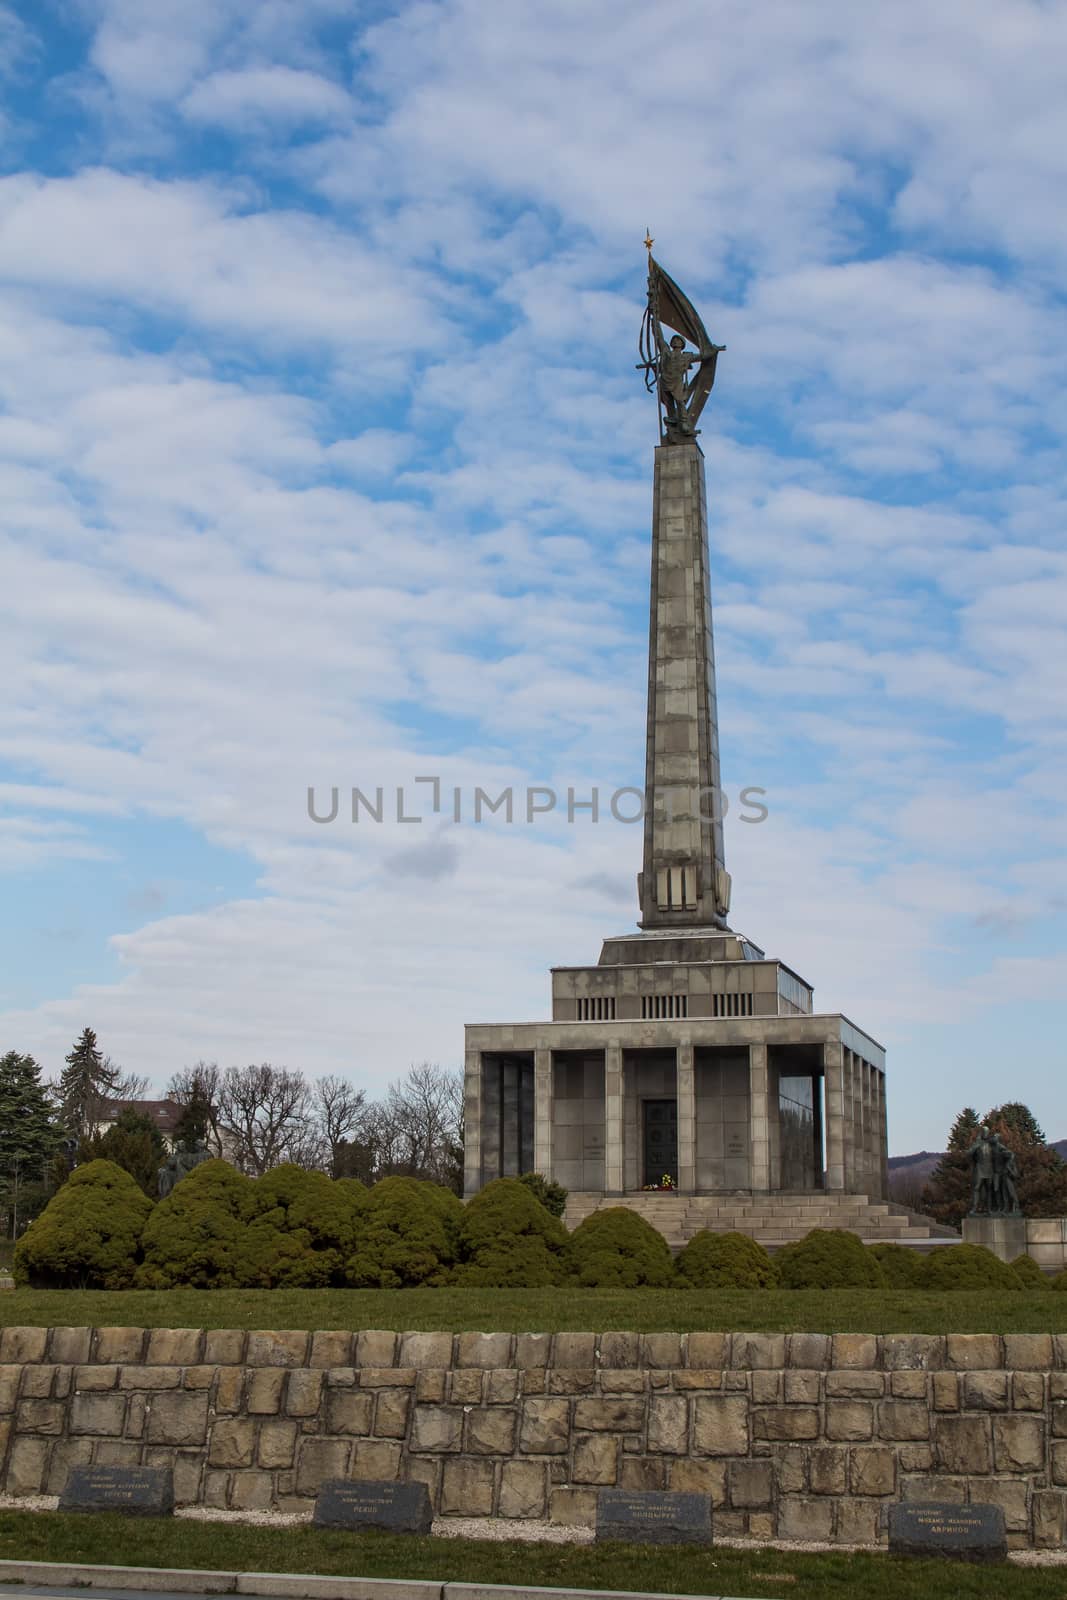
684	882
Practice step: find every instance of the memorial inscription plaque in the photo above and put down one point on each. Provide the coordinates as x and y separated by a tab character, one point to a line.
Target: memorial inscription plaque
938	1528
356	1503
653	1516
134	1491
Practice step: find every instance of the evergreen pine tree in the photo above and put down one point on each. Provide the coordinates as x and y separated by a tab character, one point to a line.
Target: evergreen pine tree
86	1081
28	1138
947	1196
133	1143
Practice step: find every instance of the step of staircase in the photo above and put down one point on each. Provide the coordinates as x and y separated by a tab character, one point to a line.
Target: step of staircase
772	1219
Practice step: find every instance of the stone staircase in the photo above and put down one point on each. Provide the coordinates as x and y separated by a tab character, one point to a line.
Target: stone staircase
772	1219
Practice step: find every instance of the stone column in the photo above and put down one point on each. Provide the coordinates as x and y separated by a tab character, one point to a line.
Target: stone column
883	1135
685	1088
759	1121
543	1109
472	1122
833	1054
613	1119
870	1075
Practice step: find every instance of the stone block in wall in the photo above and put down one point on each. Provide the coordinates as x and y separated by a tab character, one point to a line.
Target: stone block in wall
1028	1352
41	1416
1028	1391
917	1352
98	1414
1058	1455
595	1459
755	1352
962	1445
1018	1444
116	1453
684	1379
437	1428
391	1413
855	1385
121	1345
801	1388
572	1350
96	1379
872	1470
857	1522
173	1347
1048	1519
532	1350
985	1391
71	1345
699	1477
903	1420
523	1489
251	1491
854	1350
766	1388
946	1391
10	1379
1012	1496
808	1350
233	1442
265	1389
750	1484
545	1428
349	1412
490	1430
502	1387
720	1426
664	1350
467	1489
37	1383
969	1352
268	1348
609	1415
620	1350
708	1351
430	1387
791	1469
330	1348
376	1459
642	1472
805	1520
66	1453
387	1377
27	1464
23	1346
668	1425
574	1508
303	1393
827	1470
485	1350
908	1386
318	1460
422	1350
574	1380
465	1386
277	1445
177	1419
849	1419
229	1388
784	1423
225	1347
150	1377
198	1377
426	1470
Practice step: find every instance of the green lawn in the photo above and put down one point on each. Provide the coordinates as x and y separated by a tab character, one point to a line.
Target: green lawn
756	1573
584	1310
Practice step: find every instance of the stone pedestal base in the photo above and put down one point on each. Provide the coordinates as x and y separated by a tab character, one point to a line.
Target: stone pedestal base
1005	1236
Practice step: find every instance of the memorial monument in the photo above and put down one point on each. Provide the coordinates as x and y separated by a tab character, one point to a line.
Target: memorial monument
686	1058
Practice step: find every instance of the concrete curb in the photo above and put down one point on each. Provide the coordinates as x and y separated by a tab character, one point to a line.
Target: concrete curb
295	1586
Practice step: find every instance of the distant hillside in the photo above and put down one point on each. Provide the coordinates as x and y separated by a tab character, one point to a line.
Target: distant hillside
910	1172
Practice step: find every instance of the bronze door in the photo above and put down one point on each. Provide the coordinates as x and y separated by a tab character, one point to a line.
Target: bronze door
661	1141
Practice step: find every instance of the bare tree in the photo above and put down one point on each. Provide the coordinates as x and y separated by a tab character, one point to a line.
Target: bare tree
264	1116
419	1125
341	1111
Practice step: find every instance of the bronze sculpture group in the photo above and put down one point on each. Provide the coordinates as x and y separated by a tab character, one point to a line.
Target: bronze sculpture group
994	1177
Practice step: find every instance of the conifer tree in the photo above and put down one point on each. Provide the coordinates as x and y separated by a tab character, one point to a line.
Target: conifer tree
28	1137
86	1081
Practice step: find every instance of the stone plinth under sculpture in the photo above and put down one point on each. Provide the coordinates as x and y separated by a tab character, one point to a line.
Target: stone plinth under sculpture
685	1054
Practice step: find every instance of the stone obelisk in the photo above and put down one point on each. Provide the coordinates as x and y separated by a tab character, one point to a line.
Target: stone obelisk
684	882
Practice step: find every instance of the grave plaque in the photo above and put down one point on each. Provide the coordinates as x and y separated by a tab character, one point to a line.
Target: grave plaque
135	1491
653	1516
940	1529
394	1507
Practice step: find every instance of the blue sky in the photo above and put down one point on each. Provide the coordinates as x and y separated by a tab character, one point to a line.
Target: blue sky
324	462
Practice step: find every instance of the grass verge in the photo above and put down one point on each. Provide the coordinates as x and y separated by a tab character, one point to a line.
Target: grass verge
546	1310
758	1573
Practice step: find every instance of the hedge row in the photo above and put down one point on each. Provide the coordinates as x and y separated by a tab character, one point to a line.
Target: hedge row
219	1230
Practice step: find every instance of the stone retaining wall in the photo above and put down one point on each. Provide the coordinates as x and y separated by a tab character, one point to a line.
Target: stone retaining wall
807	1436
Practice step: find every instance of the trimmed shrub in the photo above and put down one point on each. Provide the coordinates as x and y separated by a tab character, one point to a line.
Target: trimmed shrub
406	1236
725	1261
828	1258
552	1195
1029	1273
616	1248
198	1237
967	1266
302	1227
902	1268
508	1240
89	1234
1059	1281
